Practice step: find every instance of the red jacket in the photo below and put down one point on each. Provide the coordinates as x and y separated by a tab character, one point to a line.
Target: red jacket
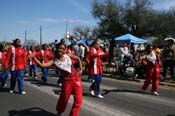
26	55
16	58
3	58
69	51
87	58
31	61
45	56
96	60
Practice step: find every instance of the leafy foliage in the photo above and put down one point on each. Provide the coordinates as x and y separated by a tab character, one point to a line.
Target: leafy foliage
135	17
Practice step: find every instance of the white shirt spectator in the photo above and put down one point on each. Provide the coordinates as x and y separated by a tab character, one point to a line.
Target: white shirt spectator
125	50
81	51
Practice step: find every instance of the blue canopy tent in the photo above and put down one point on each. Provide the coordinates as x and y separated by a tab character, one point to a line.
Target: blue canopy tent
130	38
84	41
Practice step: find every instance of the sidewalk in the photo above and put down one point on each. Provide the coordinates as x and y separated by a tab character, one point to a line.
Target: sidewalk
115	76
109	70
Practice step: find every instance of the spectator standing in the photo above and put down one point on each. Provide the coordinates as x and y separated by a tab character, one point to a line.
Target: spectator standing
81	51
168	61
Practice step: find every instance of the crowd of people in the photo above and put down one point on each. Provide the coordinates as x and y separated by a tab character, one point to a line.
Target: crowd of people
67	60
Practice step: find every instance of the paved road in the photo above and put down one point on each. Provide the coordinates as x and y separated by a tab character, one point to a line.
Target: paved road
121	98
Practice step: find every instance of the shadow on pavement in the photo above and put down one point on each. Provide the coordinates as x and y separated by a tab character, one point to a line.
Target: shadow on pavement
31	112
106	91
57	92
4	89
87	94
40	83
171	115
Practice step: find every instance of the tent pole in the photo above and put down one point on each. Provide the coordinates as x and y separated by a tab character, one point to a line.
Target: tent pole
129	47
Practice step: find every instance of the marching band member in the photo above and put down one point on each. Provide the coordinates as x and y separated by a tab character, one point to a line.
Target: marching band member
152	70
96	54
32	63
71	79
16	58
45	55
3	72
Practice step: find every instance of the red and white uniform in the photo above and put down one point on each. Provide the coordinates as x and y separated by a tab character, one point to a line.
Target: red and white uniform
71	84
3	59
34	53
26	54
17	57
69	51
152	74
44	55
96	56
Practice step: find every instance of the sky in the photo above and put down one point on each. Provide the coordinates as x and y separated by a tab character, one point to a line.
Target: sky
18	16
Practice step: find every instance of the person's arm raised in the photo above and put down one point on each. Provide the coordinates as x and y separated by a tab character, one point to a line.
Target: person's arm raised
48	64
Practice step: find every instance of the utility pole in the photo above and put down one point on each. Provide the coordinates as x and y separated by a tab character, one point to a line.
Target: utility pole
66	27
40	35
25	41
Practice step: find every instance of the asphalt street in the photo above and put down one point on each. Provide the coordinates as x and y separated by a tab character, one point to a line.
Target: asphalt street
121	98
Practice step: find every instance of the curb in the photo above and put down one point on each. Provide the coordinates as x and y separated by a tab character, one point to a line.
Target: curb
138	80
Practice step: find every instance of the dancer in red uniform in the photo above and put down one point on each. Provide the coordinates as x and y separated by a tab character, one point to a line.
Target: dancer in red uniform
3	72
32	63
152	70
96	55
16	59
45	55
25	61
71	79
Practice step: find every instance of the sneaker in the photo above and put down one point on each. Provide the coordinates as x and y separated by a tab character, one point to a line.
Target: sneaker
59	84
35	77
26	74
23	92
4	86
155	93
11	91
92	92
100	96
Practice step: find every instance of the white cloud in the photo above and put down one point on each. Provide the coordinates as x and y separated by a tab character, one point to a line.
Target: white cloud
26	22
163	4
52	20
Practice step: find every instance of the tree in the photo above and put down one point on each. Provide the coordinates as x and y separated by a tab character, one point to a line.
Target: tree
82	32
108	13
135	17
